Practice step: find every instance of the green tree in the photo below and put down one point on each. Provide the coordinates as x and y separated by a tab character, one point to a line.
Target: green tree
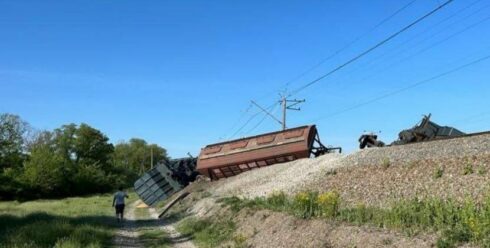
136	155
92	147
13	142
71	160
13	133
44	172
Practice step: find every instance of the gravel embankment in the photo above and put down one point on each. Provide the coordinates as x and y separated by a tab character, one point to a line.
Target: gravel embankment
287	177
441	149
377	176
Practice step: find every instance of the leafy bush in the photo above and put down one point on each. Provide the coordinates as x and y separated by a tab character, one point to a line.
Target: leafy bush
329	203
305	204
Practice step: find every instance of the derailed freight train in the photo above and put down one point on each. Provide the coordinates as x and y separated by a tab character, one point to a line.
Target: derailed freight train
230	158
165	179
425	130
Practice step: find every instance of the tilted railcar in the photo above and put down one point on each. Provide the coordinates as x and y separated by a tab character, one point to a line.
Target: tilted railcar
233	157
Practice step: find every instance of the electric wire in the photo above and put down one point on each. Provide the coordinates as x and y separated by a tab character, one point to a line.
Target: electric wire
371	48
408	87
321	62
397	49
425	49
262	120
374	71
238	120
383	21
249	120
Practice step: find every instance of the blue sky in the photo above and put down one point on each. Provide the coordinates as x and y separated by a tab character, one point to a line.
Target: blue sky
182	73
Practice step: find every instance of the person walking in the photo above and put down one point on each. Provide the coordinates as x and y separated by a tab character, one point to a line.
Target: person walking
118	203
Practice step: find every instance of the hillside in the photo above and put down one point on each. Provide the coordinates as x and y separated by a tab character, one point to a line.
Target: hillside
456	170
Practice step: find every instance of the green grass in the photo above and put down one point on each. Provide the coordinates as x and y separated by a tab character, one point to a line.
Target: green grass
386	163
208	232
149	235
154	238
456	222
468	169
70	222
438	172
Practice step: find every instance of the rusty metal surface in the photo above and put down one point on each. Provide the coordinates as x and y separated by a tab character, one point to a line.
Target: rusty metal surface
233	157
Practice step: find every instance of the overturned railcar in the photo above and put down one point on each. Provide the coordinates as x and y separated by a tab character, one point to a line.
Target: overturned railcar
167	178
233	157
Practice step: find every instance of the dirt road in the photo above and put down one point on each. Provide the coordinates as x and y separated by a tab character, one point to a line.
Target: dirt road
128	236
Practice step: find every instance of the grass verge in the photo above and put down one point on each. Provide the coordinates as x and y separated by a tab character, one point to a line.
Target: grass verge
206	232
150	235
70	222
154	238
456	222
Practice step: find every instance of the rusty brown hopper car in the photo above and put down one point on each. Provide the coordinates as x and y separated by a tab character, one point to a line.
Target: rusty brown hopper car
230	158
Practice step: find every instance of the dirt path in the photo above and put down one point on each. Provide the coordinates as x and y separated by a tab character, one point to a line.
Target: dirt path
177	240
127	236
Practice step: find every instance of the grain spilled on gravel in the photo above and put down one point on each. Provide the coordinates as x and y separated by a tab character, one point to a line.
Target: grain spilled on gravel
286	177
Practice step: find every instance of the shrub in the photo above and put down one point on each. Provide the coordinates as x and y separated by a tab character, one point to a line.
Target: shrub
305	204
329	203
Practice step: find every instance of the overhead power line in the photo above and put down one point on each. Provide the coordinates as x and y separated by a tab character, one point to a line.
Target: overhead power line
372	48
349	44
398	49
399	60
249	120
408	87
262	120
242	115
383	21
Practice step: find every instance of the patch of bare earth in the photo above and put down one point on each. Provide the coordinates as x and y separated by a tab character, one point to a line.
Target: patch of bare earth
270	229
176	239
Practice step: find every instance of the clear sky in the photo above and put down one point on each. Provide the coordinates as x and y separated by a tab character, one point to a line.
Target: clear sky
182	73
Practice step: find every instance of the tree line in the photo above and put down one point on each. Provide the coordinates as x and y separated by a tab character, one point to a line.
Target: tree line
68	161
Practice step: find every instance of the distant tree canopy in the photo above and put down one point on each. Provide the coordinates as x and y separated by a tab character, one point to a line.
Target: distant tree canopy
136	154
13	132
70	160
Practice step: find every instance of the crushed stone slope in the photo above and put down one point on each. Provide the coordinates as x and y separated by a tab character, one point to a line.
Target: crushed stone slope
376	176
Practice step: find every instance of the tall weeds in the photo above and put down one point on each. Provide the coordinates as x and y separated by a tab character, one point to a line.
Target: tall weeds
456	222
